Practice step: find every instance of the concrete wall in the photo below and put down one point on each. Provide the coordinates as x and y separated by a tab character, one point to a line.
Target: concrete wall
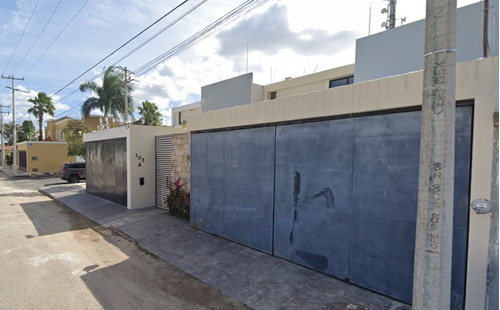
308	83
475	80
181	159
50	155
229	93
140	141
182	113
400	50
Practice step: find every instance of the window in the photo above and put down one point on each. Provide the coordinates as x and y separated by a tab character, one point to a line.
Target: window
180	119
272	95
61	135
34	158
342	82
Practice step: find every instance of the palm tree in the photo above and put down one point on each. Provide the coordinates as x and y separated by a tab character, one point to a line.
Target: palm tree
110	95
150	114
42	104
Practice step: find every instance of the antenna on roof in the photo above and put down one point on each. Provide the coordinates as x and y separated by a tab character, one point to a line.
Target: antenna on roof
391	14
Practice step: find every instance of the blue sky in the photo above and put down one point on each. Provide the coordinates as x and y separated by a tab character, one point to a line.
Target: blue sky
284	38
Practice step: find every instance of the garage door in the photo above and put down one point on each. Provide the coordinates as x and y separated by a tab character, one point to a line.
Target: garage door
344	196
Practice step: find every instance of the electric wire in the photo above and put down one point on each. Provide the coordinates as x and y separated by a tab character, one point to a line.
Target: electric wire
245	7
161	31
20	38
57	37
123	45
186	44
37	38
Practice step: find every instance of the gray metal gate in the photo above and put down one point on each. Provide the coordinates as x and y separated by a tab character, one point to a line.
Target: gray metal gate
163	158
338	196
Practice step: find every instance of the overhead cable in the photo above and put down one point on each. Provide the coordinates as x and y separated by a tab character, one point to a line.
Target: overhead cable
20	38
123	45
245	7
57	37
36	40
161	31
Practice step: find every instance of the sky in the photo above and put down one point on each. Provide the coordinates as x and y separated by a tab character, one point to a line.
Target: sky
50	44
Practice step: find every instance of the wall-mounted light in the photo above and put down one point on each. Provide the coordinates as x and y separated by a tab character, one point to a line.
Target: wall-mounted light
481	206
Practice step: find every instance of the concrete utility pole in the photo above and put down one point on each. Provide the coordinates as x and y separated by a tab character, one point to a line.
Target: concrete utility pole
127	80
434	234
1	126
14	132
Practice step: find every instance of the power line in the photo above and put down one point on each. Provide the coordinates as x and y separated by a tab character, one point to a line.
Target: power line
37	38
245	7
109	55
161	31
143	43
57	37
20	38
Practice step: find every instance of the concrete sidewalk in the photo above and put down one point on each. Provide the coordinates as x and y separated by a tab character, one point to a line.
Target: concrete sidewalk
259	280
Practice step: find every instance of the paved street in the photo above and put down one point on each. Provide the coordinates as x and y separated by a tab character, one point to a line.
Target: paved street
53	258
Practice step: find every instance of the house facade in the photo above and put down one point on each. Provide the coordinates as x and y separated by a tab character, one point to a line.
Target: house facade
42	156
323	171
55	127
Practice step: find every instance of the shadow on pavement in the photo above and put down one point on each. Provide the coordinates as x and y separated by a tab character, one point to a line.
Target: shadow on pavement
49	219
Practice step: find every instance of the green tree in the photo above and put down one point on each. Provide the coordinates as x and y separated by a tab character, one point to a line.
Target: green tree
150	114
8	133
110	97
42	104
73	134
26	131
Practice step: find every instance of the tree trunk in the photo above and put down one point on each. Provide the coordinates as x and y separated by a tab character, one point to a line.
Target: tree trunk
40	129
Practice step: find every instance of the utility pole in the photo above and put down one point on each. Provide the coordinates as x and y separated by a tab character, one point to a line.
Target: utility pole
434	233
126	80
391	15
1	125
14	134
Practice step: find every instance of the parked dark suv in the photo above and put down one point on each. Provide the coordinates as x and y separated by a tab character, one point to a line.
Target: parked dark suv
73	172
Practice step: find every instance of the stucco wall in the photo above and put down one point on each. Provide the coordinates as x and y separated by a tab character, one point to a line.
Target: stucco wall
184	112
140	141
229	93
181	159
308	83
50	155
475	80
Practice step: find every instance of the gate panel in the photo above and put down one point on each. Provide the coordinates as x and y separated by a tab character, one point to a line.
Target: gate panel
107	169
163	157
232	180
384	203
313	195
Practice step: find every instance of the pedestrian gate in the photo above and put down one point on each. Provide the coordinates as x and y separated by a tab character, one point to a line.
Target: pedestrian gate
163	157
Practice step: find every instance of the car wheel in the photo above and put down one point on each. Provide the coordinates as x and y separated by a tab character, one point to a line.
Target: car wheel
73	178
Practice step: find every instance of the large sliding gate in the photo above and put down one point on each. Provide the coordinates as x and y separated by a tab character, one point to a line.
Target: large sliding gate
338	196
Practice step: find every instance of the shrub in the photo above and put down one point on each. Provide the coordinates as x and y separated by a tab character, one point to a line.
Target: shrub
178	200
9	160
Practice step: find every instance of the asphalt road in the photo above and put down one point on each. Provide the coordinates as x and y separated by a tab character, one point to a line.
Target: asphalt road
53	258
